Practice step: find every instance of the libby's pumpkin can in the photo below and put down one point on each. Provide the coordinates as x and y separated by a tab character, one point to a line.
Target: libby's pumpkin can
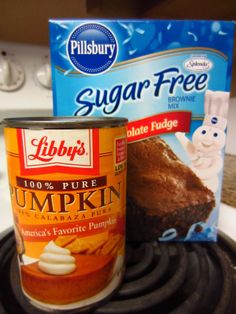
67	179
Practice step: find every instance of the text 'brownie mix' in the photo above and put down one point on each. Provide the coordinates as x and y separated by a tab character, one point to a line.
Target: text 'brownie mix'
171	79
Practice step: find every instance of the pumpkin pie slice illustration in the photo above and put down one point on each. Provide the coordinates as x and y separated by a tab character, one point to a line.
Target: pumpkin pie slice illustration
60	277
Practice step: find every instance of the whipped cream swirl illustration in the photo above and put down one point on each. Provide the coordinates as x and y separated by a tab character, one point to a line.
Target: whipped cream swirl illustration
56	260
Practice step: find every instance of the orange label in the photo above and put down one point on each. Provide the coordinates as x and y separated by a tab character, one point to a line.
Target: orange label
68	189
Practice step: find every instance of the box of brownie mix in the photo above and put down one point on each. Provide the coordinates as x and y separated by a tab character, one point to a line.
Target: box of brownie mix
171	79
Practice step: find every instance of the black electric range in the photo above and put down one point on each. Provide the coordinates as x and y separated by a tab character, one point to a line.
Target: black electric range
160	278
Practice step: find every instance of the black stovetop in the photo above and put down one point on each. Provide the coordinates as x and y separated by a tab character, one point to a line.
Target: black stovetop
161	278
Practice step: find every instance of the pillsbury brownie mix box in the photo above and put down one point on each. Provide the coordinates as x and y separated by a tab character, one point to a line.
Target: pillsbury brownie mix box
171	79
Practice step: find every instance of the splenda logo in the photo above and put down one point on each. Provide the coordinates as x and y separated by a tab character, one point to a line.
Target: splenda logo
198	64
92	48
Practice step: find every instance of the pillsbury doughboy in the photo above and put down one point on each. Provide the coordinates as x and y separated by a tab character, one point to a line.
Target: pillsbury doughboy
216	108
209	139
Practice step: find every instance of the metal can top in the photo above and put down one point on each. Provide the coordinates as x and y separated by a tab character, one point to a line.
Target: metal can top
64	122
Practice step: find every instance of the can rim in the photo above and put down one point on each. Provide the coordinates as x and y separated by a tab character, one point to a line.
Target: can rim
64	122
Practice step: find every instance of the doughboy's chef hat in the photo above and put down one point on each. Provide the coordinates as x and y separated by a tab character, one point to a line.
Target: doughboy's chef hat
216	108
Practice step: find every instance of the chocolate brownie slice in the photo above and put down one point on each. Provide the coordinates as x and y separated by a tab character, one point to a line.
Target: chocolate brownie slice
163	192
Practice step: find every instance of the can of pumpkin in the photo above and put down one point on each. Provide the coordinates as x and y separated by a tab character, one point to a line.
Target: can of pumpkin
67	180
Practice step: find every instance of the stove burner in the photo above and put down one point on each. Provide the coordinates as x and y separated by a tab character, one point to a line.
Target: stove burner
176	278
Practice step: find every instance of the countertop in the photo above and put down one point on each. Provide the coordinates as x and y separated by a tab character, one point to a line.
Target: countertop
229	181
229	178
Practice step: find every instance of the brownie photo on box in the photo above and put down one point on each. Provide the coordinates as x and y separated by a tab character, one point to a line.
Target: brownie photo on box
163	193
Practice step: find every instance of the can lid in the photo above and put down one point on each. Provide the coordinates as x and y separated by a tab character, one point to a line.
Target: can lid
64	122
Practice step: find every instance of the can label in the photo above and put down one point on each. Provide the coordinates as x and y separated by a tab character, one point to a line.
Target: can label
68	192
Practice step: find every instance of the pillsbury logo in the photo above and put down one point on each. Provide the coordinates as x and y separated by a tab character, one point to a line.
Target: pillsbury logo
92	48
214	120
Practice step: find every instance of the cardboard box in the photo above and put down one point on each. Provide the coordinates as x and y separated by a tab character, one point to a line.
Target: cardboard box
171	79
